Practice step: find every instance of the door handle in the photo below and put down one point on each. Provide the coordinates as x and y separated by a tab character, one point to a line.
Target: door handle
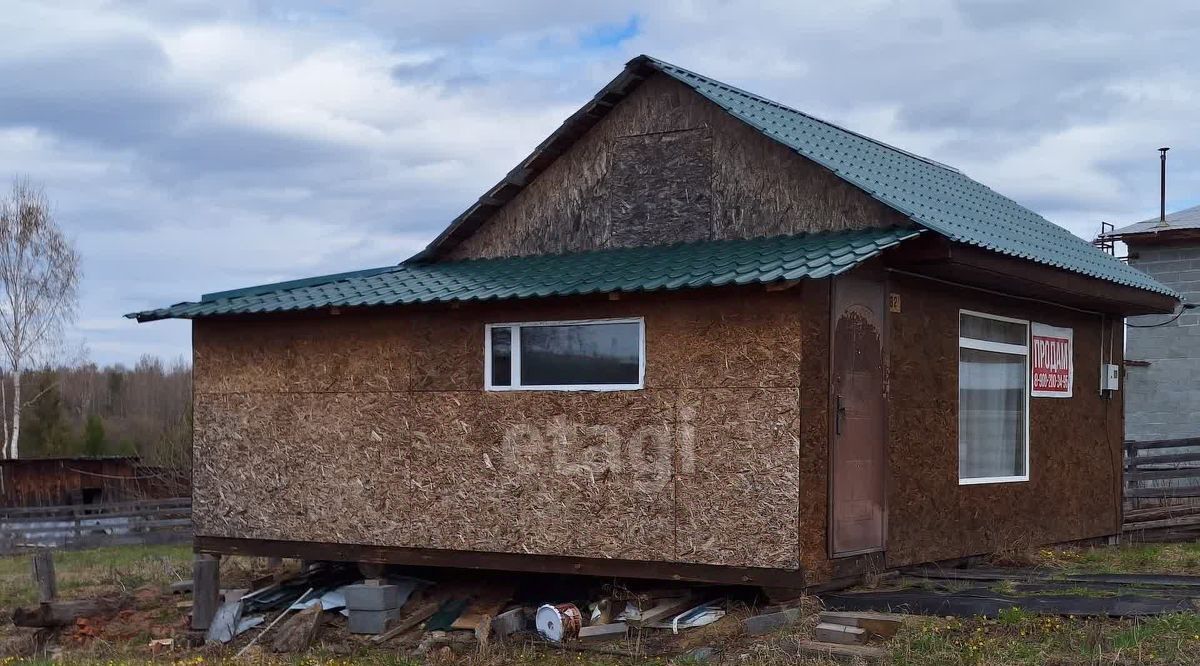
839	414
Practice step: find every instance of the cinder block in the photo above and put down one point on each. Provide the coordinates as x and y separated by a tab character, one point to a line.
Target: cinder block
762	624
371	621
372	597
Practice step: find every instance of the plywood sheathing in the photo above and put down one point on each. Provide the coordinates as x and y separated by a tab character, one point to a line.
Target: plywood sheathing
308	354
814	431
1075	456
433	461
666	155
738	500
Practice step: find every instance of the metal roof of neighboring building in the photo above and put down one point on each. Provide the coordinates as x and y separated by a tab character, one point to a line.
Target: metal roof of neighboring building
668	267
1188	218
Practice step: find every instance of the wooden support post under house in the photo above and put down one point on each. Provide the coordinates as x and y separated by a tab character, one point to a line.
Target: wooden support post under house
43	575
206	589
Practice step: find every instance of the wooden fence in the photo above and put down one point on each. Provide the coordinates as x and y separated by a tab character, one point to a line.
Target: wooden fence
89	525
1162	488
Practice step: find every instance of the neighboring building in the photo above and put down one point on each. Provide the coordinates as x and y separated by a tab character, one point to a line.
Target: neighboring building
30	482
695	334
1162	396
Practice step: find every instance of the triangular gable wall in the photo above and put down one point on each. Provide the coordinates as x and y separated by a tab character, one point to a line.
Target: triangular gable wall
666	165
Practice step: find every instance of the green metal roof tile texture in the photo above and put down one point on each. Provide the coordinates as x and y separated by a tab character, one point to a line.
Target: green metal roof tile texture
931	194
690	265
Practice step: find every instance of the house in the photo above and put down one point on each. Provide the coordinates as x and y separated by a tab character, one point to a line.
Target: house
80	480
1163	359
695	334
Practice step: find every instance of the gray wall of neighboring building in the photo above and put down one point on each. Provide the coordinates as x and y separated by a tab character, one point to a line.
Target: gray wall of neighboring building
1162	399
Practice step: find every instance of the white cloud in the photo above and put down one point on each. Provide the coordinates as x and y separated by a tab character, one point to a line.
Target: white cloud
197	146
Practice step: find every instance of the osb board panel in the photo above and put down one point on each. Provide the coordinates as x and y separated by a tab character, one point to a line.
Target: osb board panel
739	487
541	472
734	340
1075	444
446	350
757	186
312	466
301	354
556	474
814	431
561	474
660	187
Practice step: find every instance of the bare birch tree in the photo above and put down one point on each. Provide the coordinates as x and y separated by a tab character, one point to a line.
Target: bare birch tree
39	293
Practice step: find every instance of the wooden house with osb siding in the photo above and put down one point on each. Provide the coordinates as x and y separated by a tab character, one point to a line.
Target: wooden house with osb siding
695	334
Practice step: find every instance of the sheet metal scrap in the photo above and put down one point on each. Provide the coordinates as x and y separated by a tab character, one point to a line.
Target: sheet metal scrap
321	578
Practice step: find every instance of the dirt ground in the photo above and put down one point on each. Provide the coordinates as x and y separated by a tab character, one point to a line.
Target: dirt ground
140	576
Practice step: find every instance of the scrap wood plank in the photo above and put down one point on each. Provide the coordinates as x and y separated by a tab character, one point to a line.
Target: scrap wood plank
487	603
62	613
1181	521
418	616
883	625
1164	492
821	649
602	631
1169	511
664	608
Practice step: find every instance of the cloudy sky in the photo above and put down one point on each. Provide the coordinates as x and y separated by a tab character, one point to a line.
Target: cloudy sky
190	148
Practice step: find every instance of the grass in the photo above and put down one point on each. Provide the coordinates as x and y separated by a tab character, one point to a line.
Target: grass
1020	637
98	571
1173	558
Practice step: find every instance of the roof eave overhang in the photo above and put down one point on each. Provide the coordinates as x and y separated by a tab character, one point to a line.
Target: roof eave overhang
936	257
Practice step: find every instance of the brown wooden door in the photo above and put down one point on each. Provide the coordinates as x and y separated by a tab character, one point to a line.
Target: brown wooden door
858	454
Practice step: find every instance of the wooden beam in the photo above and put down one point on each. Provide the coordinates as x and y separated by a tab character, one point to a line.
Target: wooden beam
206	589
1163	443
467	559
43	575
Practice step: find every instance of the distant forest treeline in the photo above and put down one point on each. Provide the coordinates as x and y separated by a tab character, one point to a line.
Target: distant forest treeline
88	410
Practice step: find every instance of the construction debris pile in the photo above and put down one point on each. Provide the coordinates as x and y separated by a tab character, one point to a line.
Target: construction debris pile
286	614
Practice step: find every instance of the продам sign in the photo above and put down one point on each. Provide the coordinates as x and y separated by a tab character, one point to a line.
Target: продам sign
1052	361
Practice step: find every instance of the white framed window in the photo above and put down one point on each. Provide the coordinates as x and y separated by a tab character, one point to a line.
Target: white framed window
584	355
993	398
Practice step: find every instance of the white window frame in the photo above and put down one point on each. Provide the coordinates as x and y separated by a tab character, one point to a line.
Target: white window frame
515	358
1006	348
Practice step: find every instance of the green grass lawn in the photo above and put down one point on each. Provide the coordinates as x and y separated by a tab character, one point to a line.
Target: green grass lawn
84	573
1172	558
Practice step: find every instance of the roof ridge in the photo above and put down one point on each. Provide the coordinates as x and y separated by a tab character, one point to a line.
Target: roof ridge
660	64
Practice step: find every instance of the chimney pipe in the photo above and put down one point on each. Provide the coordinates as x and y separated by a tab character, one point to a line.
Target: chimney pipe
1162	187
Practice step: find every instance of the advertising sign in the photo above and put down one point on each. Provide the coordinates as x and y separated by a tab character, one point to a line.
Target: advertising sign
1051	357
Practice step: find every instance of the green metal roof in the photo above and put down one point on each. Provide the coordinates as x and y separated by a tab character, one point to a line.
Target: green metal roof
680	266
931	194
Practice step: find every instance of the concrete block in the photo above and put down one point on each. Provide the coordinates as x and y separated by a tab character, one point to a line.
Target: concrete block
840	634
762	624
510	622
371	621
372	597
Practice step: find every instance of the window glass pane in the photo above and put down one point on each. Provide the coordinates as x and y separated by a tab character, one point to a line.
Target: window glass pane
991	414
992	330
501	356
580	354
